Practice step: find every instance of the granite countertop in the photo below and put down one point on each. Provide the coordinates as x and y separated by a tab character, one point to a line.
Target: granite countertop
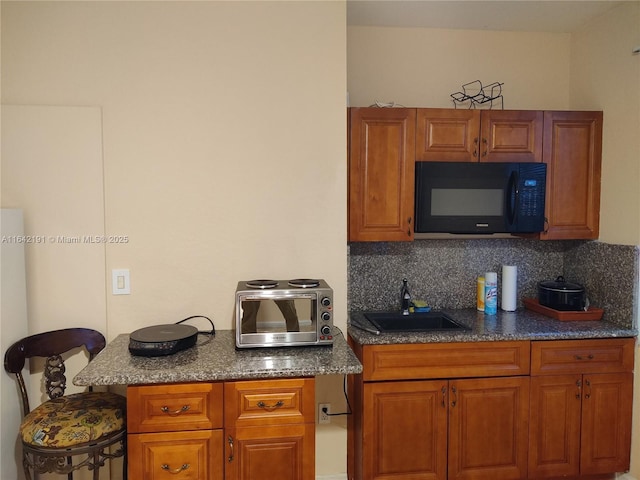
519	325
217	360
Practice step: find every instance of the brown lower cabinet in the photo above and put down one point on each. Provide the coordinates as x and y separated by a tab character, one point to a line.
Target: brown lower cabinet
581	407
491	410
440	411
240	430
434	429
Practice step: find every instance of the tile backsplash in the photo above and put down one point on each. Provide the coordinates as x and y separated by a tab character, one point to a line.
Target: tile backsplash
444	272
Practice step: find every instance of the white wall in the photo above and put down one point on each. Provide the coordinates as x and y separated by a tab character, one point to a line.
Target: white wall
419	67
52	170
605	75
224	139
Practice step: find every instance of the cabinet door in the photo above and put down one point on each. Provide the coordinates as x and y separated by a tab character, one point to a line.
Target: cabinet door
573	154
447	135
279	452
606	423
405	430
488	432
554	429
511	136
177	455
381	174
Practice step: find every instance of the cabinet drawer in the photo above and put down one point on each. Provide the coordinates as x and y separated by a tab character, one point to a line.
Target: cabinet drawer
445	360
582	356
265	402
167	408
176	455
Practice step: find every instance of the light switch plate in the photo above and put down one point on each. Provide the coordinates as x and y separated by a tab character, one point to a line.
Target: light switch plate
121	281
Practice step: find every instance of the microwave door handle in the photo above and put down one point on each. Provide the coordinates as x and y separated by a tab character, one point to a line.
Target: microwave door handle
512	197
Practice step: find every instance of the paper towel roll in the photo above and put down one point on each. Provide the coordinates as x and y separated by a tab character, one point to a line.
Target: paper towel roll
509	300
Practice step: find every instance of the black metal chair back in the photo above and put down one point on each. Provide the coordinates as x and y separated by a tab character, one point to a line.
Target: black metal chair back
45	447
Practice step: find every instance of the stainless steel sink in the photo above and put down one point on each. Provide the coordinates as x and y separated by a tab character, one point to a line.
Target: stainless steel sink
414	322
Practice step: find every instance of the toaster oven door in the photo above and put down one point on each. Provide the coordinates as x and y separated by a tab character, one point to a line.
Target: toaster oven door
276	319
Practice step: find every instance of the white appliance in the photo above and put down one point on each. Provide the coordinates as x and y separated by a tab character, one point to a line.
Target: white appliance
13	326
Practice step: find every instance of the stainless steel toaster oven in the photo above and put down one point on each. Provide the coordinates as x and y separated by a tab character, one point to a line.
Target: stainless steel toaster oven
283	313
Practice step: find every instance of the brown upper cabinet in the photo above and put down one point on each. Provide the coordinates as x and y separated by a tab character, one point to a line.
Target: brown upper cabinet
573	154
385	143
449	135
381	174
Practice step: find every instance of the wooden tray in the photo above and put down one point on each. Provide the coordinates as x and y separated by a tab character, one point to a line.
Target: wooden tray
591	314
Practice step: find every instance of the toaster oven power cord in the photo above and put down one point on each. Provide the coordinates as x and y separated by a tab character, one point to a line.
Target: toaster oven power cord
346	397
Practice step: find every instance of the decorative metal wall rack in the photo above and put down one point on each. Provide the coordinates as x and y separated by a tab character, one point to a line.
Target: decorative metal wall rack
477	94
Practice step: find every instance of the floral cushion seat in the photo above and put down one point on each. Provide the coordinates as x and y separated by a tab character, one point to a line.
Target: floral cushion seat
74	419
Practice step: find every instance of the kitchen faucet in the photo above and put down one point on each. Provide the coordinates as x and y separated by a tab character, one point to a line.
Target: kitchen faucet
405	297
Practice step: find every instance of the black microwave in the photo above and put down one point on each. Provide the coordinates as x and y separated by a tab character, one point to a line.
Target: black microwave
480	198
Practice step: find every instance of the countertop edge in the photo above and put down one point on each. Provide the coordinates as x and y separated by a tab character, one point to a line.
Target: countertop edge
504	326
217	360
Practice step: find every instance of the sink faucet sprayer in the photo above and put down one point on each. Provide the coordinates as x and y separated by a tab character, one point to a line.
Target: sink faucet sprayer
405	297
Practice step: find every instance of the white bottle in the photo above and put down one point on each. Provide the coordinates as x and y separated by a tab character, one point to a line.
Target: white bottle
490	293
509	298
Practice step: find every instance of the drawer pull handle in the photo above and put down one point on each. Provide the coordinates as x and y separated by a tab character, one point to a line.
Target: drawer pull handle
444	397
166	410
587	394
588	357
230	441
166	467
455	396
579	391
269	408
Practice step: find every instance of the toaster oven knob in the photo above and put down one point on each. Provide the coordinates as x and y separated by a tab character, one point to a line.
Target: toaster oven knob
326	301
325	330
326	316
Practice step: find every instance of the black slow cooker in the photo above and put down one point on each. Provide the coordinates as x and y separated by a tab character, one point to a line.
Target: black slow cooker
561	295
